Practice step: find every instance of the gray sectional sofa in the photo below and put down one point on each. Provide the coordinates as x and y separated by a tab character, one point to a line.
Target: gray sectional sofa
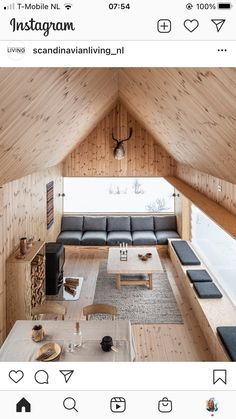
113	230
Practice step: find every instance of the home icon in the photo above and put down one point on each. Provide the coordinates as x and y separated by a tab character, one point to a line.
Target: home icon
23	406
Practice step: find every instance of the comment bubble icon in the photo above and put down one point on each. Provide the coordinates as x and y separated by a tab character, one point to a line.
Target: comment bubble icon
41	377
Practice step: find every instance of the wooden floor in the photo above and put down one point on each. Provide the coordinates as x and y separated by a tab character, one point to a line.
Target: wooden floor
155	342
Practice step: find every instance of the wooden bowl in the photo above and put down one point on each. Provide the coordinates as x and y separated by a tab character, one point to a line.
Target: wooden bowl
49	346
149	255
144	258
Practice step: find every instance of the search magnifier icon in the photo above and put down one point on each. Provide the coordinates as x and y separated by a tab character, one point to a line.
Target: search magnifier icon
70	404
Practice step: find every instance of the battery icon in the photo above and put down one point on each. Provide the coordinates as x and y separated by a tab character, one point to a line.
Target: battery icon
224	5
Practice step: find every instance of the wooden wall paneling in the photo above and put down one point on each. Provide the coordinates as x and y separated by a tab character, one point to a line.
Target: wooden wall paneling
189	111
46	112
183	215
215	211
208	185
94	156
23	213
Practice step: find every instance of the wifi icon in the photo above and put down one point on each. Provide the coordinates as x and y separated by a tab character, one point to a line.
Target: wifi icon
68	6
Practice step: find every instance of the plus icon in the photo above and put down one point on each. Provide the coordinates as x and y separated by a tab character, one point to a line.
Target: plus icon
164	25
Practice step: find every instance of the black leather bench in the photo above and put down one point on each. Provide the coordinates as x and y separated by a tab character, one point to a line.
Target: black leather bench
228	338
112	230
198	275
184	252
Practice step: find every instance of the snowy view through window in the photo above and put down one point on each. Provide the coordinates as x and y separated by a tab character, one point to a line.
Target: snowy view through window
217	249
127	195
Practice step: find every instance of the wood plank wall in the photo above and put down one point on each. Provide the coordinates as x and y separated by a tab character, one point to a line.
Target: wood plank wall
94	156
23	213
208	185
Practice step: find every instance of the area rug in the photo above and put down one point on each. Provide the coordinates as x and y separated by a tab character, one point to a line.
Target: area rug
136	302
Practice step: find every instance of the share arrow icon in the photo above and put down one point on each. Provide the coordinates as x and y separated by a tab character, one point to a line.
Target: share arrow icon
219	23
67	374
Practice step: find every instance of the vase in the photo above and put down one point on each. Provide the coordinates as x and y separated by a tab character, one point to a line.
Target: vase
23	245
37	333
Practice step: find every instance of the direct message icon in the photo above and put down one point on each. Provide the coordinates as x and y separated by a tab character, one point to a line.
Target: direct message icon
220	376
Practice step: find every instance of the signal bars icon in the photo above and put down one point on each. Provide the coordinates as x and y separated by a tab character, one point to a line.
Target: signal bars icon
10	7
68	6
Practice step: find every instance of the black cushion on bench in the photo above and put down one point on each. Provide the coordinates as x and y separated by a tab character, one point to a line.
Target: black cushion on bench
198	275
114	238
163	236
94	238
185	253
207	290
228	337
70	237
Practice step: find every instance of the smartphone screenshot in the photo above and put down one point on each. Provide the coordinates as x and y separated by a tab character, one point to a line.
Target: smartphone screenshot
117	209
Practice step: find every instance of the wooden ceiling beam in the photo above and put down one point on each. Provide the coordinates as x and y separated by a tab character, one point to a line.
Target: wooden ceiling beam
216	212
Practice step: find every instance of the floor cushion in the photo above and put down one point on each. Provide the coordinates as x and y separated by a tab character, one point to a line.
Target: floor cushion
144	238
207	290
70	237
163	236
228	337
94	238
184	252
198	275
114	238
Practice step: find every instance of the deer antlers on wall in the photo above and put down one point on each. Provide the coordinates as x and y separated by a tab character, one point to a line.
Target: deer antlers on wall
119	151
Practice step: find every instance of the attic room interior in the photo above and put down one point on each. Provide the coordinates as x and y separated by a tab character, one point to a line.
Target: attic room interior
117	214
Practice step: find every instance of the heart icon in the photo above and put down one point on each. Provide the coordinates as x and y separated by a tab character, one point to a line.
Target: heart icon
16	376
191	25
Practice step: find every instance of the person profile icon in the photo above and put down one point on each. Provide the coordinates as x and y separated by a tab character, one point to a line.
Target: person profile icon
212	405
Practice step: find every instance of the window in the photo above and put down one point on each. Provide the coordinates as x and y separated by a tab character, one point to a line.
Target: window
217	249
118	195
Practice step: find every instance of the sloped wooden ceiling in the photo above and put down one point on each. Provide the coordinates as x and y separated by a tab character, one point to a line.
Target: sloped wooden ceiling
45	112
191	112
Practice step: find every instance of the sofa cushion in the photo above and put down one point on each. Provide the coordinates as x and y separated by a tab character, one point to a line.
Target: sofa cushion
94	223
185	253
70	237
228	337
207	290
165	222
118	223
114	238
144	238
142	223
94	238
163	236
72	223
198	275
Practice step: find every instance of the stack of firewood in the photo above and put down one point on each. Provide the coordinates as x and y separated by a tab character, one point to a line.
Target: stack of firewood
70	285
37	280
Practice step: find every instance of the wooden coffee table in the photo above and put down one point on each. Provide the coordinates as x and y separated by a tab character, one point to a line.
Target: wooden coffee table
134	265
